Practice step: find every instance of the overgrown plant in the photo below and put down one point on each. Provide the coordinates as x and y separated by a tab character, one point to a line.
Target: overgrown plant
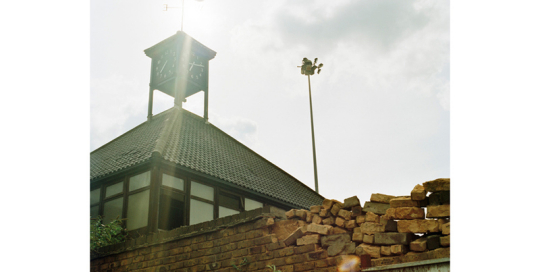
106	234
273	268
240	265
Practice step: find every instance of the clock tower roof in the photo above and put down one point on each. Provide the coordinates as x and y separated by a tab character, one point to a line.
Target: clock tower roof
182	39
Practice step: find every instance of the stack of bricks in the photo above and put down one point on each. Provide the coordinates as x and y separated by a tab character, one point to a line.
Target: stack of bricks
389	229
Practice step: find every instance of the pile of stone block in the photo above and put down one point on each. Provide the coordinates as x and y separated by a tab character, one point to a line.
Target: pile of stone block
386	226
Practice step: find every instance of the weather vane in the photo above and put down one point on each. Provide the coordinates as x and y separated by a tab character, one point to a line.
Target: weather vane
308	68
182	23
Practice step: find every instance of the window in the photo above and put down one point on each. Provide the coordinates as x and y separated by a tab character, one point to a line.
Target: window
229	204
94	202
201	203
138	201
171	203
252	204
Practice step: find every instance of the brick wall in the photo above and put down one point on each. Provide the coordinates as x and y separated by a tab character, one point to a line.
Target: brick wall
327	236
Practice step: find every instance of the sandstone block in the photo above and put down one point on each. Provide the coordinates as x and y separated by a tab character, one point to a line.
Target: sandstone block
320	229
309	217
335	238
385	218
406	213
357	230
373	251
356	211
308	239
371	228
291	239
390	226
419	245
338	244
329	221
359	251
315	209
316	219
418	226
338	230
358	237
324	213
290	214
439	253
380	198
350	224
398	249
440	211
335	208
439	198
345	214
406	201
441	184
442	221
340	222
360	219
374	207
302	214
445	241
327	204
433	242
386	251
446	229
369	239
392	238
371	217
418	193
351	202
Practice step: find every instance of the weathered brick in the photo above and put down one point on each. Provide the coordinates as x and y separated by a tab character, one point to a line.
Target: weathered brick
335	208
406	201
284	252
368	239
418	226
290	214
305	248
371	217
304	266
441	184
324	213
419	245
295	259
446	229
340	222
350	202
392	238
302	214
316	219
374	207
381	198
373	251
440	211
338	230
291	239
360	219
439	253
327	204
398	249
372	228
308	239
276	245
350	224
315	209
386	251
439	198
445	241
316	255
358	237
320	229
406	213
356	211
329	220
418	193
345	214
328	240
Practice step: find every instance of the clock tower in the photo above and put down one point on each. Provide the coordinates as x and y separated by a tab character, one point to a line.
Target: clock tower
179	68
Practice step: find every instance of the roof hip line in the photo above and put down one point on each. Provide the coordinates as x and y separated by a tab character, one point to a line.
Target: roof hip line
166	133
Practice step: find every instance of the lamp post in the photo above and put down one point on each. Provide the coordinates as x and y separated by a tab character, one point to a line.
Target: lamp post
308	68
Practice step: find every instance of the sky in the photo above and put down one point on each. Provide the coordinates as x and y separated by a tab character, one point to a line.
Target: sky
380	104
51	69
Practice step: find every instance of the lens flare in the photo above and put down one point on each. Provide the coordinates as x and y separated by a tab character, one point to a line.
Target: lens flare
350	263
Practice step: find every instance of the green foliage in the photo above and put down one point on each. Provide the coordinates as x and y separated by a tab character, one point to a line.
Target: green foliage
106	234
243	263
273	267
309	68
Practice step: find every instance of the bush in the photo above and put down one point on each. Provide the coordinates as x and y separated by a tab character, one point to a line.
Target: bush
106	234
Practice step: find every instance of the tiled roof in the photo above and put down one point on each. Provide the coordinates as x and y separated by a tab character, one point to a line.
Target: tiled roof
185	139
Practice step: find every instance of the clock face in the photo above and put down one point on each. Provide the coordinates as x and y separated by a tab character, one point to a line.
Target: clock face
165	65
195	68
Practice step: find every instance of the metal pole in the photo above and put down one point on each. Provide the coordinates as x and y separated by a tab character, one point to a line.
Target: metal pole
313	138
182	26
